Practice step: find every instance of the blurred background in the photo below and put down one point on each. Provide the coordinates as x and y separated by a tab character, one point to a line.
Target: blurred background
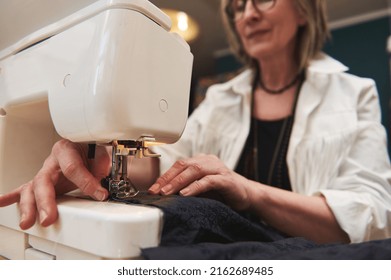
360	36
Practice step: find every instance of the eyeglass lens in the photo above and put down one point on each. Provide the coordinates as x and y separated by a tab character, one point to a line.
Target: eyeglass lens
239	6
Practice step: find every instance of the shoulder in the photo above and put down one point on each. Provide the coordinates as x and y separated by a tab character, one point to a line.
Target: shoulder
229	93
325	70
224	102
238	85
330	90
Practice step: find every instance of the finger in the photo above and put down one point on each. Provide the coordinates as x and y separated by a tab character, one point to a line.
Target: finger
9	198
24	195
185	178
197	187
45	197
222	188
27	206
44	190
100	166
70	160
166	178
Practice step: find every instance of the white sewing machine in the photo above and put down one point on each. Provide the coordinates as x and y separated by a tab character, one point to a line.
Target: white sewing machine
109	73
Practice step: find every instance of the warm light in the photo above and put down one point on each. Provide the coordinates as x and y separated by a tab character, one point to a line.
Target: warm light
183	24
183	21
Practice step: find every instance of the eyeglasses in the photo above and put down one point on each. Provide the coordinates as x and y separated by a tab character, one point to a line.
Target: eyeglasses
236	8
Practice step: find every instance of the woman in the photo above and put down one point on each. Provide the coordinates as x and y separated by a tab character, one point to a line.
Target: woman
293	139
320	138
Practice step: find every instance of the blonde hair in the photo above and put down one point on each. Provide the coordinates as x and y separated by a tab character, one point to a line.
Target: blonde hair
311	36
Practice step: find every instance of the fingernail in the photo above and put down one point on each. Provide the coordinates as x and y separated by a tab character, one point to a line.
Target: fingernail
22	220
166	189
42	216
155	187
99	195
184	192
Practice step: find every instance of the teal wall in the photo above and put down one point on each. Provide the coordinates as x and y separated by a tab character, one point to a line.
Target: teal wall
363	48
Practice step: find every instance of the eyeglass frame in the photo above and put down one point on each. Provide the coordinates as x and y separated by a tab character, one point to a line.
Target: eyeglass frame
231	12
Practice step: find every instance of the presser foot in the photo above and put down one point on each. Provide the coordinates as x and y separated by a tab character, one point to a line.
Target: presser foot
120	189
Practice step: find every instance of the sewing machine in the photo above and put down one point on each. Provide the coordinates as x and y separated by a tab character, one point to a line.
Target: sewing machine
109	74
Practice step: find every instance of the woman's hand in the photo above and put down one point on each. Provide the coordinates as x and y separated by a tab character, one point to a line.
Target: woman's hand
202	174
66	169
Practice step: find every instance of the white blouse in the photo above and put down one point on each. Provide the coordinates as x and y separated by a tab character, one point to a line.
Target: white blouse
337	149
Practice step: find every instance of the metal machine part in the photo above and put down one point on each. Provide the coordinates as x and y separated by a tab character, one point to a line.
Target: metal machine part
118	183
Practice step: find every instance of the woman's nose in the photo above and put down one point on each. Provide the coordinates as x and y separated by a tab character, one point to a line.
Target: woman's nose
250	10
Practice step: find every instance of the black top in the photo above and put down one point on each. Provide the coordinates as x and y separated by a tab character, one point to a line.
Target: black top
263	158
272	168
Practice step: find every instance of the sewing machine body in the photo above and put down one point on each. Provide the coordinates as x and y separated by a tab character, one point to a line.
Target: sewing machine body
86	229
111	71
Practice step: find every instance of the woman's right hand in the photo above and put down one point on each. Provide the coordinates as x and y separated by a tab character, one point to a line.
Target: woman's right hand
66	169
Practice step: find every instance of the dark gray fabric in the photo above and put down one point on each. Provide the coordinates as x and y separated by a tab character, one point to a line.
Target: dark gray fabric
190	220
202	228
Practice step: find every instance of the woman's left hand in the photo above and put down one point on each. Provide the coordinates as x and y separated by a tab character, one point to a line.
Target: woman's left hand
202	174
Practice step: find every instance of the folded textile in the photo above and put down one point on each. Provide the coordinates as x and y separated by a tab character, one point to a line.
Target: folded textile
286	249
191	220
202	228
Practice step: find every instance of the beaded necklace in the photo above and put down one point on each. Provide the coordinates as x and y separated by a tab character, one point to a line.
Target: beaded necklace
280	90
281	147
